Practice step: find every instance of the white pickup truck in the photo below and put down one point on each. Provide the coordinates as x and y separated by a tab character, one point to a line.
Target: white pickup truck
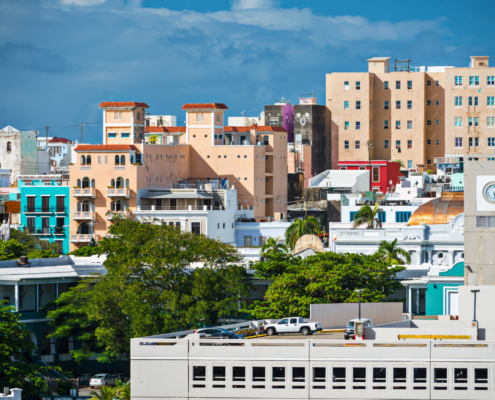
293	325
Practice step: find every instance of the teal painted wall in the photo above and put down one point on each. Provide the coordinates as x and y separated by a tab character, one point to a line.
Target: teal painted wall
458	180
456	270
435	297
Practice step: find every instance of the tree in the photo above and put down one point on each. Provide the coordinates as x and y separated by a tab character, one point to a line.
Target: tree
106	393
124	392
298	228
153	139
323	278
86	251
369	216
272	246
11	250
151	286
16	349
33	246
393	254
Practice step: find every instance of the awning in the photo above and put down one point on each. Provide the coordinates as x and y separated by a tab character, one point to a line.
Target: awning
175	195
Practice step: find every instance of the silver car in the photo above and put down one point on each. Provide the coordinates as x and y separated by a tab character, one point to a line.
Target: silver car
102	380
349	329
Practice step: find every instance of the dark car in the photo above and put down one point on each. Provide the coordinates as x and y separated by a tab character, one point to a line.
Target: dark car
225	335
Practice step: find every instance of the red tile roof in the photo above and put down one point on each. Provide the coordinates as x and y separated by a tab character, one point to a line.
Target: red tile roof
258	128
204	106
112	104
60	140
236	129
165	129
105	147
270	129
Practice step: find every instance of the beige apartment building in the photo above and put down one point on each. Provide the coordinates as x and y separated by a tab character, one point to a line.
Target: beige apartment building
413	115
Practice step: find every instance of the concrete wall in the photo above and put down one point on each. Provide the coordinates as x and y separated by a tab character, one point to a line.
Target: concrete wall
338	315
485	300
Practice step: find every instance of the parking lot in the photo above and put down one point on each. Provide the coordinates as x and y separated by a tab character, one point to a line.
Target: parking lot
315	336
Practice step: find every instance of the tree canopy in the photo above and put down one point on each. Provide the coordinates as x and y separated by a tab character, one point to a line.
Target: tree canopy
323	278
273	246
369	216
392	254
26	244
151	287
298	228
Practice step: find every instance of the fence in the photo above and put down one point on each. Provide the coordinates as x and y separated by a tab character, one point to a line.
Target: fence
338	315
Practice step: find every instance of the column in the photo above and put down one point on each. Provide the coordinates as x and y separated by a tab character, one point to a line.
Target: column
451	257
16	296
408	298
417	301
409	305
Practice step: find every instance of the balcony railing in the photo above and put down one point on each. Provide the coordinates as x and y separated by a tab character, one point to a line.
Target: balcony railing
82	237
453	188
180	208
117	214
28	209
84	215
120	192
86	192
41	231
58	230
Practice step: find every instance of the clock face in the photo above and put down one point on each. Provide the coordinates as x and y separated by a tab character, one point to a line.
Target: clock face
490	192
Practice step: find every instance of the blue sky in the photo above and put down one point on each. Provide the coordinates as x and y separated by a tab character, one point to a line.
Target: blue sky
60	58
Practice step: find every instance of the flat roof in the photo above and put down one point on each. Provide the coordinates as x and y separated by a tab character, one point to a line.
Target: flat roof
378	59
167	194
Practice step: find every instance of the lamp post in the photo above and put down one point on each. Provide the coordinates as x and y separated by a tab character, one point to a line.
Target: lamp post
359	292
369	145
475	291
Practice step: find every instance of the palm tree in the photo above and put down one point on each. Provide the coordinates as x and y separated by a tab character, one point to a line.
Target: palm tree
272	246
124	392
106	393
369	216
393	254
298	228
401	164
153	139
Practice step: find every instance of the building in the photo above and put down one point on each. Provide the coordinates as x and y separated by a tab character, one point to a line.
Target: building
45	208
161	120
244	121
357	181
386	174
281	114
4	177
118	175
42	141
60	150
19	153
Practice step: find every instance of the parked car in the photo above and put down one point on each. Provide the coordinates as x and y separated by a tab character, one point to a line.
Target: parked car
225	335
293	325
102	380
349	330
211	331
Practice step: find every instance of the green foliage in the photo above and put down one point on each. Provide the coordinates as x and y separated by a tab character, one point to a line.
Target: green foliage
23	243
124	392
106	393
401	164
43	254
86	251
272	246
11	249
323	278
16	348
393	254
150	288
300	228
153	139
64	386
369	216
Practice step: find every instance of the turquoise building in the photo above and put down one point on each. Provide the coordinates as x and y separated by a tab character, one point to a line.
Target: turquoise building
45	208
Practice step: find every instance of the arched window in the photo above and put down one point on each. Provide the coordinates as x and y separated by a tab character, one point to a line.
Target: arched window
83	160
132	159
85	182
127	183
9	146
116	160
200	117
122	160
79	183
88	160
85	229
85	206
119	205
92	183
120	182
112	183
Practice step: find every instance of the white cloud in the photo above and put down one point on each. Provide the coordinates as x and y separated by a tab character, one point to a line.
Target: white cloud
83	2
249	4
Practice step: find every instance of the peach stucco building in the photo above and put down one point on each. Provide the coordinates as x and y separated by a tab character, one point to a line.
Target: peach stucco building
112	177
414	115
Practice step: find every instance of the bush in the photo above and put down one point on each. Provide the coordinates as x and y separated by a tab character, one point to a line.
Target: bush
64	387
86	251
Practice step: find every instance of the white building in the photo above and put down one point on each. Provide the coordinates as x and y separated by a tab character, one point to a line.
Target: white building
161	120
4	177
60	150
243	121
42	140
355	181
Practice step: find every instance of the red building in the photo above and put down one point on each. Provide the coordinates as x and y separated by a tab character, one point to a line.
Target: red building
385	174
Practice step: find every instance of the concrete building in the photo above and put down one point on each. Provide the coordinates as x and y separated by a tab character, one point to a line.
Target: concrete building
42	142
4	177
357	181
386	174
60	150
161	120
281	114
253	159
244	121
19	153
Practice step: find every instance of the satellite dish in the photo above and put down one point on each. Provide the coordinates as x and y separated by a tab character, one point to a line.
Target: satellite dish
303	121
298	115
306	115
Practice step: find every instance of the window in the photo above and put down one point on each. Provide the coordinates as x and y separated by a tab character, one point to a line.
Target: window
83	160
371	104
402	216
248	241
261	240
428	141
470	121
319	376
458	142
409	164
437	142
106	159
419	376
138	159
358	125
409	104
218	376
358	105
196	228
397	84
386	144
359	376
397	124
490	101
458	81
409	125
99	159
385	85
346	125
199	374
218	118
397	145
397	104
428	102
259	376
385	105
428	83
458	121
481	222
338	377
117	160
112	134
437	102
278	375
122	160
471	101
458	101
490	80
428	122
428	161
238	375
399	377
124	134
476	121
358	85
385	124
437	83
346	105
346	144
9	146
376	174
490	121
117	116
474	81
440	375
200	117
346	85
88	160
409	85
298	376
409	144
357	145
379	376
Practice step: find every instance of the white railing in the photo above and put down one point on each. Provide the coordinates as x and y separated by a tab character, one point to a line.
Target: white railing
84	215
353	234
85	192
82	238
118	214
244	208
119	192
179	208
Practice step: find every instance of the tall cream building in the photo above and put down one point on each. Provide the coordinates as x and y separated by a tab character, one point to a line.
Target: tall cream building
414	115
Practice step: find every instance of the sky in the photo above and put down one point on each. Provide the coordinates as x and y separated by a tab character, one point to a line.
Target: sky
59	59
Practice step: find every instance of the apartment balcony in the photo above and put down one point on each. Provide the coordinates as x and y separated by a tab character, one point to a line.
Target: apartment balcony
178	208
39	210
82	237
39	231
84	193
84	215
120	192
57	230
117	214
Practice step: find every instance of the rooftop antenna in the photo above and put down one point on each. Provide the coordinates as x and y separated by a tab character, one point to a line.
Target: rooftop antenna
403	65
243	113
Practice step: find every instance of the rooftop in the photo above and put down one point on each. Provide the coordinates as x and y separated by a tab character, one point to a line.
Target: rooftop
439	211
378	59
106	147
204	106
60	140
123	104
165	129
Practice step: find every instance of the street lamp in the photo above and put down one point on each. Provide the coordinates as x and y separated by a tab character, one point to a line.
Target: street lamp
359	292
475	291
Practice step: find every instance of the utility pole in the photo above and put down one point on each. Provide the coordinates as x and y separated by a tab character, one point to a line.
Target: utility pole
369	145
82	132
46	143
